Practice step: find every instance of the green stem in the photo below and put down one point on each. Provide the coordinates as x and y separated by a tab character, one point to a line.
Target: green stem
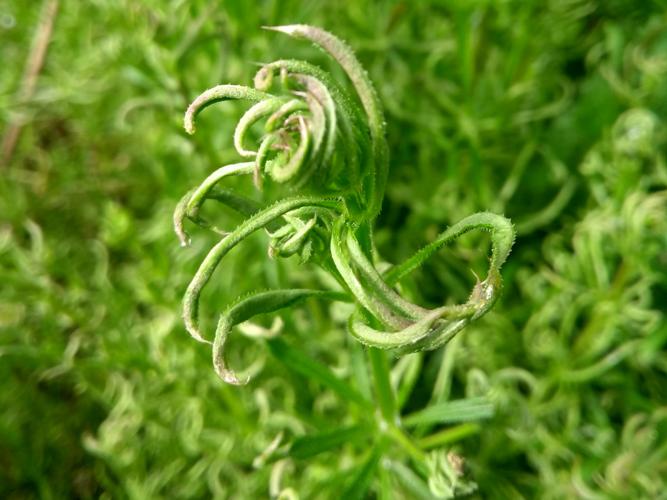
384	392
404	441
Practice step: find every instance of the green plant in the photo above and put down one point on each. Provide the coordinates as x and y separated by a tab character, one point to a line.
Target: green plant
332	154
103	394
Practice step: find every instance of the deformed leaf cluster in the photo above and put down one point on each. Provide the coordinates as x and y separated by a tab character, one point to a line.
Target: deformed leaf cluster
550	112
330	147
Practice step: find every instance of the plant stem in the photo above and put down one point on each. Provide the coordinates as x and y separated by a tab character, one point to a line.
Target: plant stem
382	383
33	66
404	441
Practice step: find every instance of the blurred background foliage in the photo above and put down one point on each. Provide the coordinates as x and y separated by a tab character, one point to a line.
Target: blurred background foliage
551	112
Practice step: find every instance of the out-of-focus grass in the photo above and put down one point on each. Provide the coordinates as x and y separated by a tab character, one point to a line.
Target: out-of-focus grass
551	112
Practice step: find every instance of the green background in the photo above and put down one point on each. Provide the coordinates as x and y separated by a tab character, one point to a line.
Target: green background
550	112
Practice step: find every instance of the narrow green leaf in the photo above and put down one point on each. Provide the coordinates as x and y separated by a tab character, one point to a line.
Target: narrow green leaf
297	361
217	253
360	368
247	307
449	436
362	480
406	372
461	410
217	94
342	260
373	279
502	239
309	446
258	111
241	204
414	484
415	337
191	203
344	55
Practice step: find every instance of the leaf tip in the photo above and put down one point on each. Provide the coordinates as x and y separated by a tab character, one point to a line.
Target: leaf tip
288	29
194	332
189	122
229	377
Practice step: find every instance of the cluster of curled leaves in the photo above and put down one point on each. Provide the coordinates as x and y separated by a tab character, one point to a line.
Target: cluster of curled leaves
327	146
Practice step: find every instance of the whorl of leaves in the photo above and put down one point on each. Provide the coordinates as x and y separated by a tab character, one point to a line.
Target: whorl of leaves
328	145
